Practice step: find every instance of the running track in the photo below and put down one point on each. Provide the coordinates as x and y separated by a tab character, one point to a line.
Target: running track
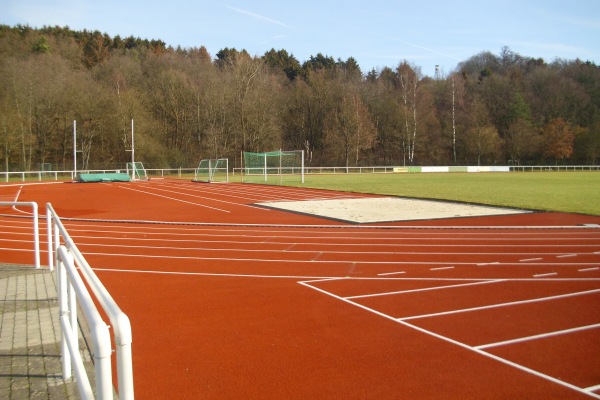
230	300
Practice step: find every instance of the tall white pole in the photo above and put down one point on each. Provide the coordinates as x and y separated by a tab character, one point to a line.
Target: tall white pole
302	166
132	153
74	149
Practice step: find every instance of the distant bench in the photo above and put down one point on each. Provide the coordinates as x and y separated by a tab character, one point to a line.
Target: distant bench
105	177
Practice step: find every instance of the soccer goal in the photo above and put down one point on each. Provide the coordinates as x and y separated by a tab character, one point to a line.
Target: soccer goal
212	170
137	171
46	168
277	167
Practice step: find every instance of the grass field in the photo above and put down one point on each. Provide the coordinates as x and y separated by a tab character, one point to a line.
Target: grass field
575	192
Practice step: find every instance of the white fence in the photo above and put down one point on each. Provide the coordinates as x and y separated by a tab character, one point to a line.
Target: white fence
181	172
72	269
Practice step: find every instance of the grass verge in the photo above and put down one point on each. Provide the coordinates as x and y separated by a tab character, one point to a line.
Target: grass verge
574	192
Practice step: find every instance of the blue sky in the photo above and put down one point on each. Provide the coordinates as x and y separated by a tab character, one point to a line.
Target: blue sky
377	33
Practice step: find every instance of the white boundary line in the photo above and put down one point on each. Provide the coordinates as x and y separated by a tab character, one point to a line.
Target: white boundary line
288	250
315	261
155	272
341	276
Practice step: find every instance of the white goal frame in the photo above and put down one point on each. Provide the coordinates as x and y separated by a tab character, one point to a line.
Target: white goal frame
275	167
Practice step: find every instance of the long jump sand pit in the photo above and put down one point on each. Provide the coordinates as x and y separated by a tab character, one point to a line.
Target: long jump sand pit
388	209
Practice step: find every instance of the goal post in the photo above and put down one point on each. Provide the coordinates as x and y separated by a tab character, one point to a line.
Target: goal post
212	170
137	171
273	167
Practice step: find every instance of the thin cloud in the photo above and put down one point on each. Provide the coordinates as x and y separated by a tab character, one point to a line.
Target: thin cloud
260	17
424	48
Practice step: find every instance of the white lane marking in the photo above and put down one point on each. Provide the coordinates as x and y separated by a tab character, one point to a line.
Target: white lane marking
540	336
174	199
423	289
588	269
508	304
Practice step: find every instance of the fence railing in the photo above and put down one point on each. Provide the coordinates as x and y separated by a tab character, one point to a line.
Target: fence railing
36	229
72	270
189	172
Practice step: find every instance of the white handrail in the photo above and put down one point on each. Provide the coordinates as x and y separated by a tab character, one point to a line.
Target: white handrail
119	321
71	288
36	229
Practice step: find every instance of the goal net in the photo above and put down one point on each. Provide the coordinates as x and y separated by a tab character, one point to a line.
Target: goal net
212	170
276	167
137	171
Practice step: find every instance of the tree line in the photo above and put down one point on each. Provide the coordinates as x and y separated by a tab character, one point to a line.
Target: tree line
187	105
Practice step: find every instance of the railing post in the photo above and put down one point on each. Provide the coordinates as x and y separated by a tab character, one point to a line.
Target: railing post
63	308
50	246
36	235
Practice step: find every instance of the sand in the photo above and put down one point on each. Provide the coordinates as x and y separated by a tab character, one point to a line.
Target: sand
386	209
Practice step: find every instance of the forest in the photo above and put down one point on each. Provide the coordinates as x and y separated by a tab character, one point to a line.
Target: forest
493	109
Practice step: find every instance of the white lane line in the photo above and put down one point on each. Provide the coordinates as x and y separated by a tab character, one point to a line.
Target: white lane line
175	199
392	273
488	263
592	388
540	336
206	198
543	275
509	304
423	289
441	268
531	259
588	269
141	271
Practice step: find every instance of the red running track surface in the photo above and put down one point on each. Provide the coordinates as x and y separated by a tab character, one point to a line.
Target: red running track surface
230	300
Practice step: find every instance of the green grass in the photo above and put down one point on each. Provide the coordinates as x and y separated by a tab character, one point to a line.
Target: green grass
575	192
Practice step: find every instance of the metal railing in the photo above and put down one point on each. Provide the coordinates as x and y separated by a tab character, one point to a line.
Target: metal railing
185	172
36	229
72	270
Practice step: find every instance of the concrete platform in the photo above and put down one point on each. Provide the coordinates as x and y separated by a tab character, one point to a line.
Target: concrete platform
30	364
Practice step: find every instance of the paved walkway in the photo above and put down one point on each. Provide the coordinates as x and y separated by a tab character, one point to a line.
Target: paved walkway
30	366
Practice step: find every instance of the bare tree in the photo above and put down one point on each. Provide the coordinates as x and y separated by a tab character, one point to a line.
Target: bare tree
348	128
408	78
